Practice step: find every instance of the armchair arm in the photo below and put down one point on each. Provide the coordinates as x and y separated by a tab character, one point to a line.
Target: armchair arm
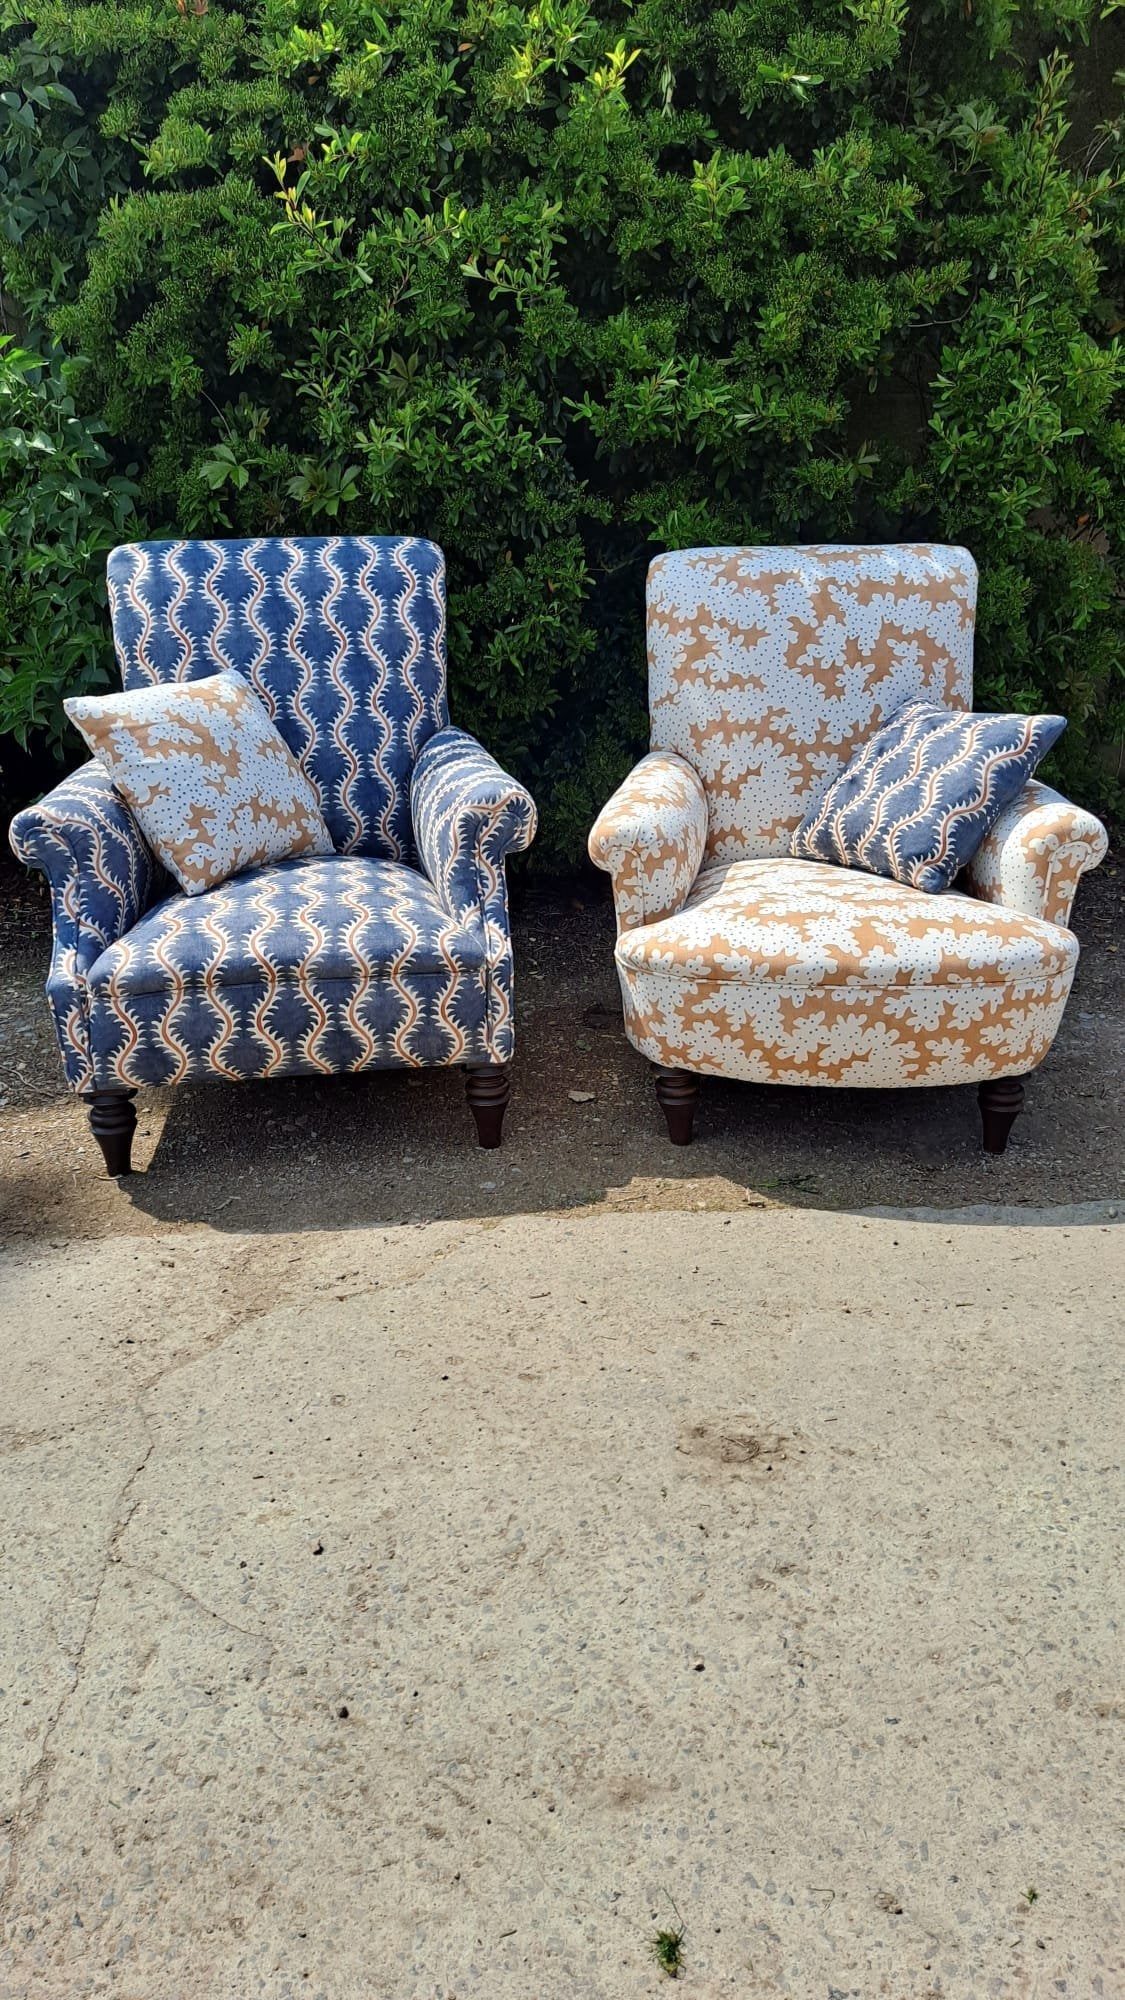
85	840
1034	854
468	815
650	837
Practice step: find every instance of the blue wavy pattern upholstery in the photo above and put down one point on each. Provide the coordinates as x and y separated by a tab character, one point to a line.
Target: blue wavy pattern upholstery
919	796
392	952
468	816
343	638
313	966
102	876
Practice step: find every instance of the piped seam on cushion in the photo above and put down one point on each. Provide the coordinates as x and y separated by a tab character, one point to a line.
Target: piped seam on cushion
857	988
287	977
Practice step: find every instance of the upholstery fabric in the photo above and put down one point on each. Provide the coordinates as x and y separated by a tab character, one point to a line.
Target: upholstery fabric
350	960
769	667
102	876
317	965
1036	851
342	637
651	836
468	816
788	971
918	797
212	784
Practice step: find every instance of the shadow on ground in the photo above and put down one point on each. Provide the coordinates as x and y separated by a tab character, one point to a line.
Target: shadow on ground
391	1148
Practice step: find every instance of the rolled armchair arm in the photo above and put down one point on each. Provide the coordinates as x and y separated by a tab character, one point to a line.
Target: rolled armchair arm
650	836
468	815
1033	855
102	875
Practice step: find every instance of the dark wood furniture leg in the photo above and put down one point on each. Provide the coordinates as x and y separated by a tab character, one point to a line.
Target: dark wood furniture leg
676	1093
488	1091
1001	1102
113	1122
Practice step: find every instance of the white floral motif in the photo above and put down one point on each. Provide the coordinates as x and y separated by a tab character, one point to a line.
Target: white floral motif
1032	858
767	668
214	787
651	835
796	971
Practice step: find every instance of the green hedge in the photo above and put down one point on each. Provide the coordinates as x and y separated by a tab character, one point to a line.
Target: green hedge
560	285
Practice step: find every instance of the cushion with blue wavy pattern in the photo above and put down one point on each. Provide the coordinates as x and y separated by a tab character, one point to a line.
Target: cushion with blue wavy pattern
919	796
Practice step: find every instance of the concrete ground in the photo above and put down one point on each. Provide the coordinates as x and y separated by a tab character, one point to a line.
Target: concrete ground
430	1574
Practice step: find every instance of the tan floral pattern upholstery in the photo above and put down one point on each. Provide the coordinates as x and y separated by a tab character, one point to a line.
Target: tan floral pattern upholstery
783	971
1032	858
214	786
650	836
767	667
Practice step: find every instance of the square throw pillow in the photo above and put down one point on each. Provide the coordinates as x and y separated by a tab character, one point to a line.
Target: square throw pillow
213	786
919	796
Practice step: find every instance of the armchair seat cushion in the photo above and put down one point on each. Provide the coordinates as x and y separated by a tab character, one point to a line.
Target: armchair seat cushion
316	965
788	971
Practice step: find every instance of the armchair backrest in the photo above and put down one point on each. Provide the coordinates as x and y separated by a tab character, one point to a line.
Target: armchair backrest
343	637
768	667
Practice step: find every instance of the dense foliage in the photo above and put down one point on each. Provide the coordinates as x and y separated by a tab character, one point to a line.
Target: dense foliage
560	285
62	508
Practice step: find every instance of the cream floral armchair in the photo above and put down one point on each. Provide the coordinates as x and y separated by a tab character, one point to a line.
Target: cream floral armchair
767	669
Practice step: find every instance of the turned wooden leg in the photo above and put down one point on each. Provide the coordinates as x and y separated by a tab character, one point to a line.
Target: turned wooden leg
676	1094
488	1091
1001	1102
113	1122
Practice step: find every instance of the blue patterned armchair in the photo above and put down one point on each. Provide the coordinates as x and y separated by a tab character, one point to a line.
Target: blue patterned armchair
392	952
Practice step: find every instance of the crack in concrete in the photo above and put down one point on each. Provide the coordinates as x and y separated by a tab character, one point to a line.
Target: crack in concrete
437	1256
300	1294
231	1322
13	1440
33	1792
220	1617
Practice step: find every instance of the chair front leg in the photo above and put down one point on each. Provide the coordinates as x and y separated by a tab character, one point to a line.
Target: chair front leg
113	1122
1001	1101
488	1090
677	1093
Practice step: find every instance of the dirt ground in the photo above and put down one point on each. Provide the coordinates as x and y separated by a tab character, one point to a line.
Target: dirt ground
307	1154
